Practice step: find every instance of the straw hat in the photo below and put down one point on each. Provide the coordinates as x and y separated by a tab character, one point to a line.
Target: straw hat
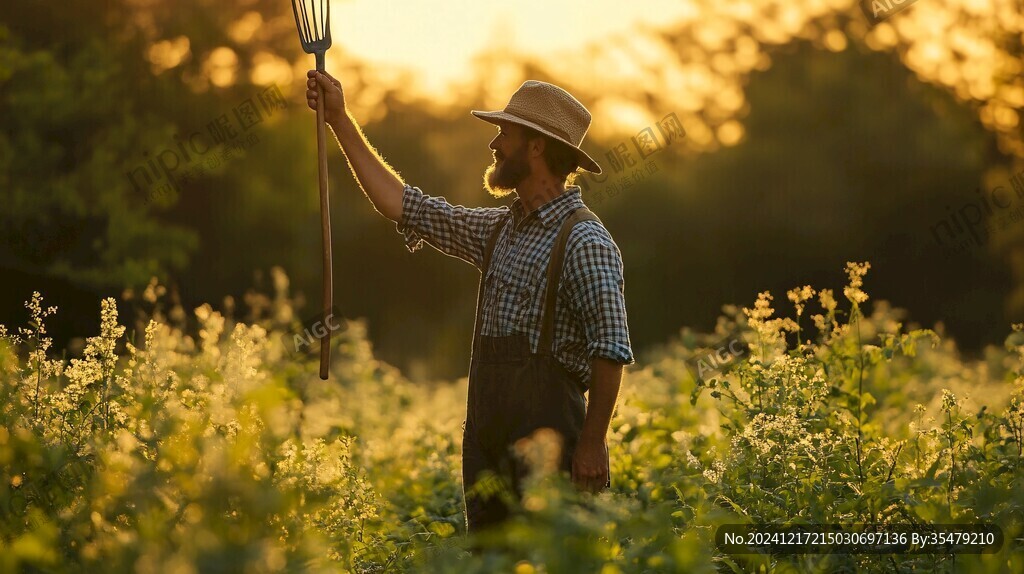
551	111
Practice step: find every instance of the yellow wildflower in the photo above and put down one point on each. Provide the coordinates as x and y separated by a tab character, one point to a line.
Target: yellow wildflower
856	273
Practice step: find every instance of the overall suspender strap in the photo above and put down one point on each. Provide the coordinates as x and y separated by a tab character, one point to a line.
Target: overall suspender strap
488	250
546	344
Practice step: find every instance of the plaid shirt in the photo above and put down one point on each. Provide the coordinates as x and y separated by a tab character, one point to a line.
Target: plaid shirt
590	314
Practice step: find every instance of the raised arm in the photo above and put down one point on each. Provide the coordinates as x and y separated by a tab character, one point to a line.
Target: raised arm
378	180
454	230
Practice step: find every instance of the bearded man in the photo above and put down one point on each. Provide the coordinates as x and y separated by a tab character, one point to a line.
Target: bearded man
551	313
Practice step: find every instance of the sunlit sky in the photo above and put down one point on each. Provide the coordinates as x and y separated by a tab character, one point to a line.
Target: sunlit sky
444	36
443	51
439	43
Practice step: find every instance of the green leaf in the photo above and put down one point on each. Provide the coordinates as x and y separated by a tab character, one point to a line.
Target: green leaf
442	529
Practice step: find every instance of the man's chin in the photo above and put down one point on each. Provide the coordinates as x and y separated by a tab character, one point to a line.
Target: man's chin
493	188
498	192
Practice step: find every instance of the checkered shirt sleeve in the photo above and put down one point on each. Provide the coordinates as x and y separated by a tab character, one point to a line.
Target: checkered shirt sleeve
594	281
454	230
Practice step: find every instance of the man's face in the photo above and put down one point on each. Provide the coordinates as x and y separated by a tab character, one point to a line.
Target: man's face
510	165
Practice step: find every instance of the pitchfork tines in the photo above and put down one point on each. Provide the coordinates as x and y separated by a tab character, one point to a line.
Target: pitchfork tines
313	19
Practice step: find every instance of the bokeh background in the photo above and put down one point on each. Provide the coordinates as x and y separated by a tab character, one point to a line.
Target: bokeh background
811	139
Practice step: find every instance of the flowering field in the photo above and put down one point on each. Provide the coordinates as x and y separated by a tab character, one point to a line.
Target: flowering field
193	442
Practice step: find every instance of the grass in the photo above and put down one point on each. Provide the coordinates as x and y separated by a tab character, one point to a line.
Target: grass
195	442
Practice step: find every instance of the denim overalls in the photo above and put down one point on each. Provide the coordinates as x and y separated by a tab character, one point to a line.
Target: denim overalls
513	392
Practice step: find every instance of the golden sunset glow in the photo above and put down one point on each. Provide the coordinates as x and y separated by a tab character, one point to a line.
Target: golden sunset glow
439	40
630	63
691	57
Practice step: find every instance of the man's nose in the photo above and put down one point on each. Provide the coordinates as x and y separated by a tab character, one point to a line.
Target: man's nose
492	144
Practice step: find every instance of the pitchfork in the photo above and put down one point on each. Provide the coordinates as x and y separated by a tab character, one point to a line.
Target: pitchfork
313	19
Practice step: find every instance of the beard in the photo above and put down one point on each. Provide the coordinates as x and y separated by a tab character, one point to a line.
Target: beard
502	177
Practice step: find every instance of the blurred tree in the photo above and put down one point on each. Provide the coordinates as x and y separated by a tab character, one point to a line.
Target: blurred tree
846	157
93	97
800	156
72	115
101	104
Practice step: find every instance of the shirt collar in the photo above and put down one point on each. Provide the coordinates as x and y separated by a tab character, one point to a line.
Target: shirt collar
553	211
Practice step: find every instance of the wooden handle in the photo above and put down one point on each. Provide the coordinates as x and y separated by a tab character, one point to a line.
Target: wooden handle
325	224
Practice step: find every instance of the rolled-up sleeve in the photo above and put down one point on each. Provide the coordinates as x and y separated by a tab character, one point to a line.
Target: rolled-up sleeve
595	283
454	230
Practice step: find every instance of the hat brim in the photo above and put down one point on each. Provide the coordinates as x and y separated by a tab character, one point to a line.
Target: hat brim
586	162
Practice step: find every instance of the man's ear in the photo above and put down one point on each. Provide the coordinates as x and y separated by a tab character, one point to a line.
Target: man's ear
535	146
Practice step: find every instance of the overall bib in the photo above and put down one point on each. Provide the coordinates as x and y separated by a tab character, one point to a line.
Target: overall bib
512	393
